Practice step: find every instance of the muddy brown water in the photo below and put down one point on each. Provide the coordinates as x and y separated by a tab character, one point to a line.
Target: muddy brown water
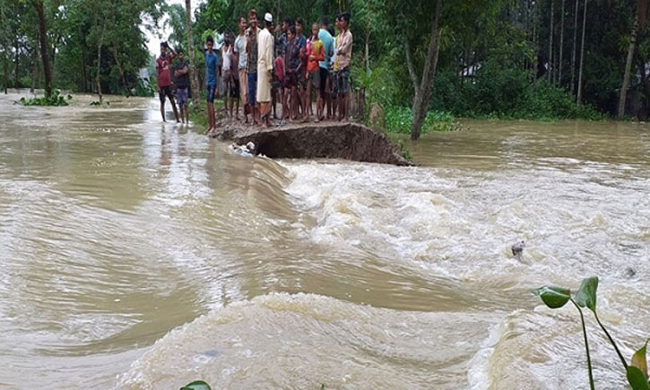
141	255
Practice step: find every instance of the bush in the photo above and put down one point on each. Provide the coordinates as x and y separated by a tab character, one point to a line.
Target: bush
399	120
55	100
496	91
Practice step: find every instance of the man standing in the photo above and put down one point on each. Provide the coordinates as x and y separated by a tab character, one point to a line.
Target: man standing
251	64
301	41
230	75
211	76
328	45
163	69
241	58
181	87
265	69
344	55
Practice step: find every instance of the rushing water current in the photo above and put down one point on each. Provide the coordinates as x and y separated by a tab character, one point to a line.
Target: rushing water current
142	255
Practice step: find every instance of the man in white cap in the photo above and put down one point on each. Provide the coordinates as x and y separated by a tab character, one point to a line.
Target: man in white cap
265	44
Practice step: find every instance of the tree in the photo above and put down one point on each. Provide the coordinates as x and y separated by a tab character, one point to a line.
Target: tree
42	29
582	53
559	77
574	48
423	86
639	23
194	75
550	46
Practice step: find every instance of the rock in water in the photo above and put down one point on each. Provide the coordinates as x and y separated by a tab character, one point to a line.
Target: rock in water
518	249
630	272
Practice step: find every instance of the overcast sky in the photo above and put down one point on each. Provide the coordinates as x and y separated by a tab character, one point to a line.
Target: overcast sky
154	39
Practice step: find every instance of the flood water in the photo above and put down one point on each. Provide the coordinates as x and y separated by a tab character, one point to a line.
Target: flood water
141	255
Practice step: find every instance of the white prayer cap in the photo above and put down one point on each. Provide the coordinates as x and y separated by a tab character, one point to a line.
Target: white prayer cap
268	17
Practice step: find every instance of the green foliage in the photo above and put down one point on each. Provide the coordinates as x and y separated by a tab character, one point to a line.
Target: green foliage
196	385
506	92
586	297
398	120
553	297
55	100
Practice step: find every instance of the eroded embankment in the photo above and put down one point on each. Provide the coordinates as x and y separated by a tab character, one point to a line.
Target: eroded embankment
348	141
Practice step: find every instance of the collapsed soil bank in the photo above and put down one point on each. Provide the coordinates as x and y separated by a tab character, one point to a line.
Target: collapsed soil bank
350	141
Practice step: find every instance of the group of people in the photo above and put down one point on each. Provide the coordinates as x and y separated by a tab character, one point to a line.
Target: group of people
268	66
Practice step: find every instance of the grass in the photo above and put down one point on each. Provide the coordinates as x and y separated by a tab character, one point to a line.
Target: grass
399	120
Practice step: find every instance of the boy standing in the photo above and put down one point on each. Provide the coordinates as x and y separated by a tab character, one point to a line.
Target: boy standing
301	41
182	87
344	55
251	64
211	75
241	59
328	45
163	64
231	86
315	54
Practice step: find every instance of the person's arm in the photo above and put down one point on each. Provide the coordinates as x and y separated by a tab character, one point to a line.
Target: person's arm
300	57
183	71
172	54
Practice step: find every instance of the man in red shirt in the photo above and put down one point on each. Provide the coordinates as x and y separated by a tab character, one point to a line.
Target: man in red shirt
163	68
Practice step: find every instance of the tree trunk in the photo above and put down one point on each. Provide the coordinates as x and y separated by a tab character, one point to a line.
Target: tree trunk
121	70
628	69
34	71
559	76
424	88
582	53
644	82
573	50
99	65
17	65
6	73
551	27
194	75
42	31
84	70
366	57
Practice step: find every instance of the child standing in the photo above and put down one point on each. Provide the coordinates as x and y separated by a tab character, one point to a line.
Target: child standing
316	53
211	75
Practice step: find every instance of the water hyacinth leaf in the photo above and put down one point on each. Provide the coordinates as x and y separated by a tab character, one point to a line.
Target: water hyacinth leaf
553	297
636	379
196	385
639	360
586	295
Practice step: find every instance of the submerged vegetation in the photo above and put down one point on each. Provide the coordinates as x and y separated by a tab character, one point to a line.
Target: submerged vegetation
55	99
556	297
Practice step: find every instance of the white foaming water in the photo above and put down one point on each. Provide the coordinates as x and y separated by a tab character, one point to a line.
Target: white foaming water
463	224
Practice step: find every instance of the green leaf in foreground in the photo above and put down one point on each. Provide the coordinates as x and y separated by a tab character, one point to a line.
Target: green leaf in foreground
196	385
636	379
553	297
639	360
586	295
